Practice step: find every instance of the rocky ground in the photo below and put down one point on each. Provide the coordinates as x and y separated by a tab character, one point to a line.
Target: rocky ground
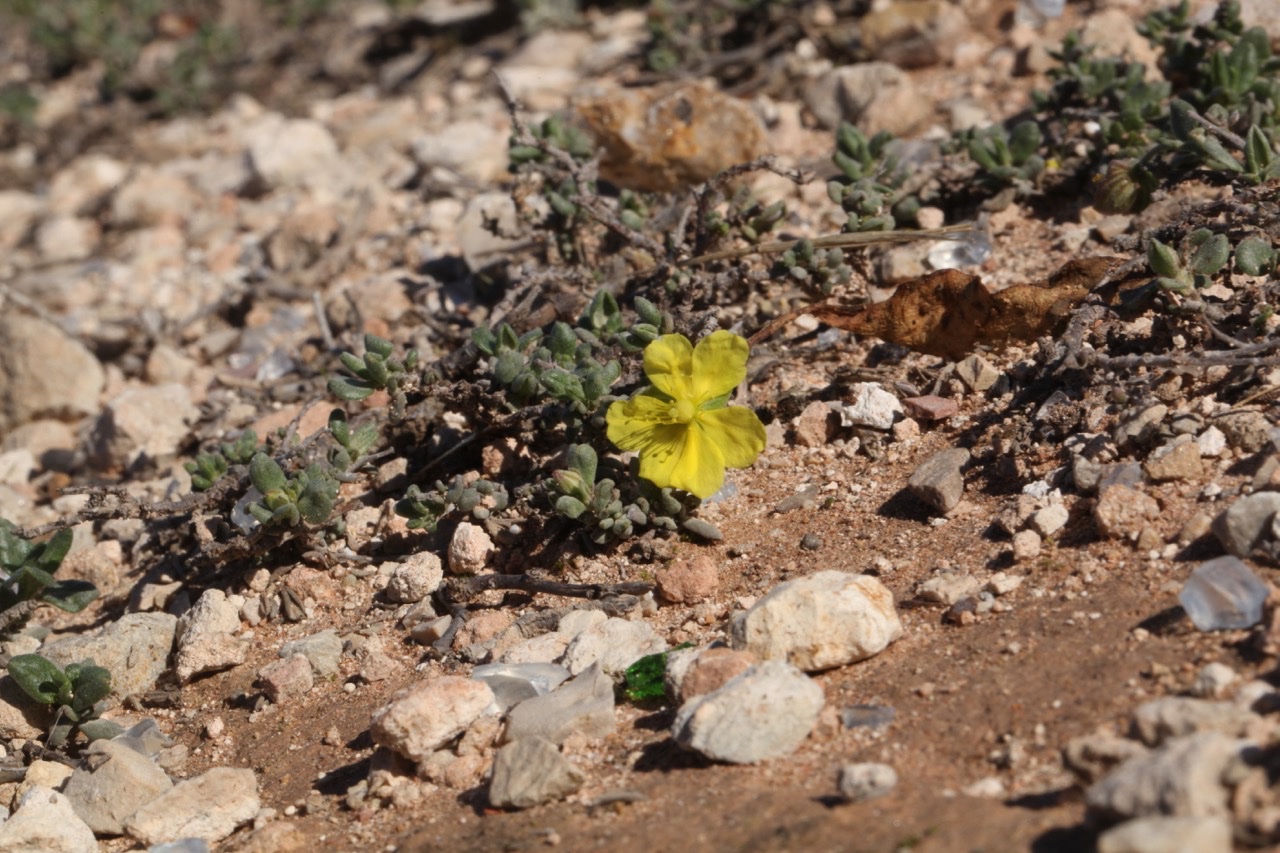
949	607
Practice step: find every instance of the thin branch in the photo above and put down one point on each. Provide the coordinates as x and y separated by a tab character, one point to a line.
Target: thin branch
829	241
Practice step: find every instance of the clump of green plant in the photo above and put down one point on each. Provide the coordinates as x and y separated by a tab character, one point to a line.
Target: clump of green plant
376	370
870	183
746	216
479	499
79	692
209	467
814	269
1255	255
1203	254
557	133
29	582
1008	158
1216	112
307	495
600	506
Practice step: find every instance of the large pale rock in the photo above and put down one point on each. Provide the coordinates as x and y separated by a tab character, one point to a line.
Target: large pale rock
292	153
45	823
1168	835
469	549
83	185
207	640
135	648
766	712
423	718
615	643
817	622
470	147
44	372
18	213
210	806
114	782
150	421
416	578
153	197
1184	777
1174	716
873	96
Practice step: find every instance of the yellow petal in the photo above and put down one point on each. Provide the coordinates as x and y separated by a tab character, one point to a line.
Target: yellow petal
682	457
719	365
668	362
631	422
737	432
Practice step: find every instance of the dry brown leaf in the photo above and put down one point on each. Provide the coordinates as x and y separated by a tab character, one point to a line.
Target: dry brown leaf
947	313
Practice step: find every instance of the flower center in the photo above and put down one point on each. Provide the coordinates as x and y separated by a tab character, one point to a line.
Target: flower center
682	411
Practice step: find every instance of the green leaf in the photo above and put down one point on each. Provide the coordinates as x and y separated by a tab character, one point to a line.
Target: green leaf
339	428
1257	151
265	474
380	347
1211	256
351	390
507	366
39	678
70	595
562	341
376	368
485	340
569	506
583	459
1255	255
315	504
50	555
364	439
353	363
13	549
1025	141
1163	260
89	685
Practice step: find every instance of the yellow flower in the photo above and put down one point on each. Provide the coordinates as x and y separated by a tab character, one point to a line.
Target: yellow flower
679	425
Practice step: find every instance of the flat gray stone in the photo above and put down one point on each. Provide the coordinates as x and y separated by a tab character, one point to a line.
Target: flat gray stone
938	480
135	648
323	650
210	807
115	782
766	712
977	373
529	772
581	706
1246	524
